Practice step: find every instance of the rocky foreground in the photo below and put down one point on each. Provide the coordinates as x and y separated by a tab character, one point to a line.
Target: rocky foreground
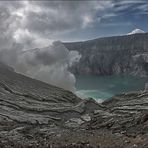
35	114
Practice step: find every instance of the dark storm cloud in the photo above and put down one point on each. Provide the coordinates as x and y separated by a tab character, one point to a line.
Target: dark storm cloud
39	20
60	16
49	19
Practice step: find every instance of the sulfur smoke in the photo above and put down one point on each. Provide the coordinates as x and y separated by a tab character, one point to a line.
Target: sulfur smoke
49	64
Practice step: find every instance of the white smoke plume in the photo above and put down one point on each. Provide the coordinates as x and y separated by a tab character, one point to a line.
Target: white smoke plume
48	64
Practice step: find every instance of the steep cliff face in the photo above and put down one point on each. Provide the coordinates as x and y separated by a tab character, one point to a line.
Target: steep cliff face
112	55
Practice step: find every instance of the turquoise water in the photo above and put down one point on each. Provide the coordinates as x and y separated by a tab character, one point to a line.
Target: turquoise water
103	87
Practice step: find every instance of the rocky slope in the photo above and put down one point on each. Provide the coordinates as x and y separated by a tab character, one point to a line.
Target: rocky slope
112	55
127	113
36	114
25	101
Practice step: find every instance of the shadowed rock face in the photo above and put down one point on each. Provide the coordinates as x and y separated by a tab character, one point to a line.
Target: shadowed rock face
36	114
112	55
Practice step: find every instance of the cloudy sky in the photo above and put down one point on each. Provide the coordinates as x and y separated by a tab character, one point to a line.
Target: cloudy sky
65	20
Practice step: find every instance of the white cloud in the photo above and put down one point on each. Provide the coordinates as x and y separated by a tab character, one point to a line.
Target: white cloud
48	64
135	31
87	20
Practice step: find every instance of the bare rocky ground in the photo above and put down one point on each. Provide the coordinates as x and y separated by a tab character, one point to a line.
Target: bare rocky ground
34	114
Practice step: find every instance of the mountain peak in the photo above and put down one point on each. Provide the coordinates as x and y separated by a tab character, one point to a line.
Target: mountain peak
135	31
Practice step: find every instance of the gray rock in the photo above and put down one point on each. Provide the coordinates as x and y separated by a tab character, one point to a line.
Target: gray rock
112	55
86	117
74	122
126	112
37	114
146	87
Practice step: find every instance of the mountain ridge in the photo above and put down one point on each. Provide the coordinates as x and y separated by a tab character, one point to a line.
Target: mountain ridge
105	37
112	55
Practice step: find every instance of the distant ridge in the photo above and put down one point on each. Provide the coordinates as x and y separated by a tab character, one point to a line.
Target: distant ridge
127	54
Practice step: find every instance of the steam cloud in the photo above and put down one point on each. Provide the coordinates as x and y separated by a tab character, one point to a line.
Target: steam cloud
49	64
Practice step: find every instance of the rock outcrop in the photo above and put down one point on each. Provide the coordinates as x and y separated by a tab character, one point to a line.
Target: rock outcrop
125	113
146	87
112	55
36	114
